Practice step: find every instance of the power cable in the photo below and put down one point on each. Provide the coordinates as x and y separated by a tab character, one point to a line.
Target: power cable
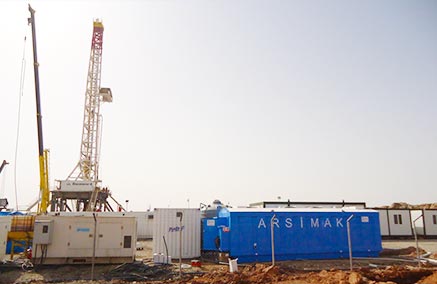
23	71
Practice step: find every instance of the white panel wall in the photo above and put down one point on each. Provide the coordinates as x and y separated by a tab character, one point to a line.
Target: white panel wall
166	224
5	226
404	229
428	220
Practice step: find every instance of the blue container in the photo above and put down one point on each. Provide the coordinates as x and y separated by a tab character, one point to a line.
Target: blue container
211	228
298	233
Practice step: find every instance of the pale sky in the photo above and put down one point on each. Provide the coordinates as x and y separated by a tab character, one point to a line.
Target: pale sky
242	101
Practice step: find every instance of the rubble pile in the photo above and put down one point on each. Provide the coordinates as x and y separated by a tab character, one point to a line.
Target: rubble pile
260	273
139	271
396	274
404	205
409	251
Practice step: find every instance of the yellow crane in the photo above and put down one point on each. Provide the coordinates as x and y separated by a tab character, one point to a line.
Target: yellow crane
44	194
22	227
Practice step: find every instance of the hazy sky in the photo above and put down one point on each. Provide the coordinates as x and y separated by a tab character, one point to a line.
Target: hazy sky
242	101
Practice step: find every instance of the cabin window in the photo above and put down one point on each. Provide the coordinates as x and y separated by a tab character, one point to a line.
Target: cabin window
434	219
398	219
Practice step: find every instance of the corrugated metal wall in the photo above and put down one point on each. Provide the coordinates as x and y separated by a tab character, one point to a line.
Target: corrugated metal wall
144	224
167	224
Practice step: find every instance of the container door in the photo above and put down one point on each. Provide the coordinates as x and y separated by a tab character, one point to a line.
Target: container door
109	236
81	236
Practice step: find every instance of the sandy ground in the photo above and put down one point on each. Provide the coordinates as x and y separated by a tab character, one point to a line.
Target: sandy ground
427	245
366	271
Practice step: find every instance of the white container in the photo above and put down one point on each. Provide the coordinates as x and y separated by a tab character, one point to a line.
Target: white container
5	226
168	225
144	224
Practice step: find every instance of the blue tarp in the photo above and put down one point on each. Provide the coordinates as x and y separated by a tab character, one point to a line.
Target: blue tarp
11	213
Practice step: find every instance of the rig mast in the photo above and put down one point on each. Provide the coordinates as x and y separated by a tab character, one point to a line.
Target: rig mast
83	185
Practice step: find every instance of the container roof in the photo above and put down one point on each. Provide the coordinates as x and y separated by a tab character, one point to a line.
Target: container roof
345	209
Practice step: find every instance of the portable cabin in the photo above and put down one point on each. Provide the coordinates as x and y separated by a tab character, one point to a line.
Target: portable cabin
246	233
395	223
430	222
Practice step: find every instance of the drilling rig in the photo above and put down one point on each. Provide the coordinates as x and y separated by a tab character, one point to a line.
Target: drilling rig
83	188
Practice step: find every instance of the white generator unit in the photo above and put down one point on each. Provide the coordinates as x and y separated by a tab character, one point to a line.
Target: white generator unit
144	220
84	239
5	226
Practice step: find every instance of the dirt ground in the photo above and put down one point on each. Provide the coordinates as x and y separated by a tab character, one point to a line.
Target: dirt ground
397	264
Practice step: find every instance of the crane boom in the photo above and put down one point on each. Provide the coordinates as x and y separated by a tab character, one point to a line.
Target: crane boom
3	165
43	154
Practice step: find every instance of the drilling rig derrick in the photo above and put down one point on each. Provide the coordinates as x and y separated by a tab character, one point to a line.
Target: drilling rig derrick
83	187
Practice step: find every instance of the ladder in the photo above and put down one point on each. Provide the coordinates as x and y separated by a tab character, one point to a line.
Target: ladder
93	200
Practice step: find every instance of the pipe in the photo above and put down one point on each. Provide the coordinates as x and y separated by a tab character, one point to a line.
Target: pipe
94	246
272	230
349	242
166	249
415	239
180	214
